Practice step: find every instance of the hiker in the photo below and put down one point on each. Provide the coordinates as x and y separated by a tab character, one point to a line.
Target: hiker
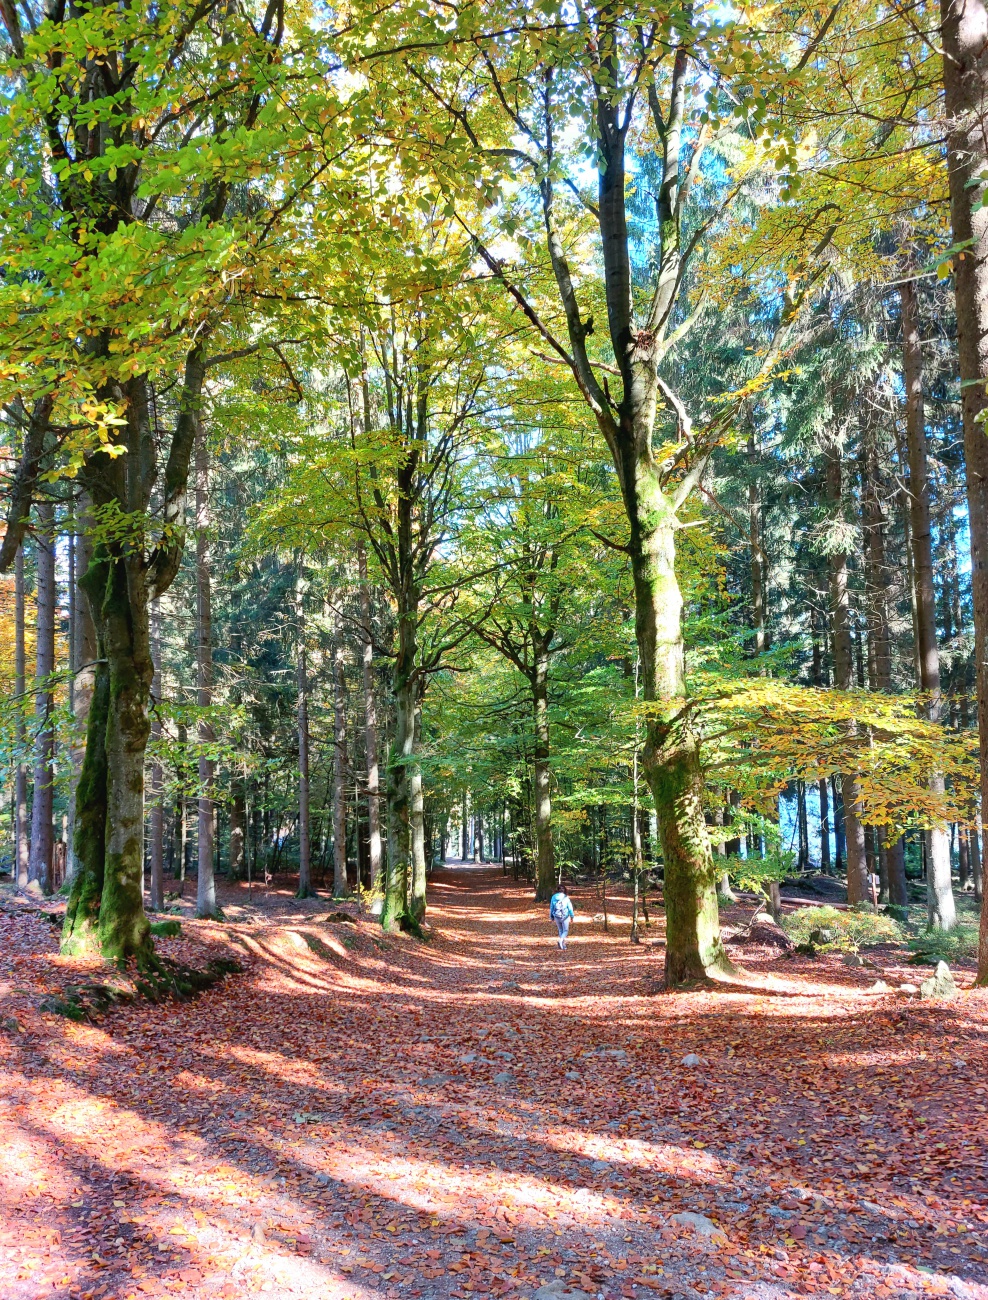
561	911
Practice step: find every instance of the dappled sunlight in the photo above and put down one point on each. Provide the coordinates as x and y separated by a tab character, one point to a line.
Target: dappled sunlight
482	1114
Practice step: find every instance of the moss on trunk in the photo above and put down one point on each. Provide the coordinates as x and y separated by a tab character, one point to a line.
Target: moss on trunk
671	755
80	933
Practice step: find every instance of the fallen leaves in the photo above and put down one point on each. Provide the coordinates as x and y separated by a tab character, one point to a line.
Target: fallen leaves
315	1125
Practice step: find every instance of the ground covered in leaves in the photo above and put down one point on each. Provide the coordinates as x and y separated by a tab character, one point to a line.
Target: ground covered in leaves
482	1115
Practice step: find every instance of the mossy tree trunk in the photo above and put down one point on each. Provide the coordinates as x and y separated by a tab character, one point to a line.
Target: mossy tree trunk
81	929
106	907
671	754
400	761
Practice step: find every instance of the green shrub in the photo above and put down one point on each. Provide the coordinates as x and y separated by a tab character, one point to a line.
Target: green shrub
849	930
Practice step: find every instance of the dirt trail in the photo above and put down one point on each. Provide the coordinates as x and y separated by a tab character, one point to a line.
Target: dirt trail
484	1115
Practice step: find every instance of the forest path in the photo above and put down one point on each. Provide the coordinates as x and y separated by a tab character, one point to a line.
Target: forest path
358	1115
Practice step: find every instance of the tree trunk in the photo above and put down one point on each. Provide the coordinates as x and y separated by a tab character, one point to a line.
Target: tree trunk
854	836
877	581
941	914
181	835
671	757
416	795
756	559
370	726
964	26
302	717
545	877
83	652
399	799
111	789
206	877
157	827
44	701
803	826
340	885
238	829
465	827
22	828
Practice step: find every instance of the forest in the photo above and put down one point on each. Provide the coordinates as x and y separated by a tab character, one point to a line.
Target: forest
457	457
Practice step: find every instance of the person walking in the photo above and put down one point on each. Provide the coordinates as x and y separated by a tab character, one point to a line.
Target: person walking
561	911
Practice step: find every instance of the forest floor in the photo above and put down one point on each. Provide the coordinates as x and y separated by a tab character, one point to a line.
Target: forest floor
358	1115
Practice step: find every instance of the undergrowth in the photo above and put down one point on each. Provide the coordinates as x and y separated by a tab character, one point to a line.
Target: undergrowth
847	931
935	945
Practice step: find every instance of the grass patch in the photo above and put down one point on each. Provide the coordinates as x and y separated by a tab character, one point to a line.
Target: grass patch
848	931
935	945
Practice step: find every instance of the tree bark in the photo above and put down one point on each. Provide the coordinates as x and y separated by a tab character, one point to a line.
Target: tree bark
370	726
416	794
340	884
398	790
877	580
238	829
302	719
854	835
671	755
111	790
545	877
157	826
964	28
83	654
40	867
465	827
205	874
756	557
22	827
941	913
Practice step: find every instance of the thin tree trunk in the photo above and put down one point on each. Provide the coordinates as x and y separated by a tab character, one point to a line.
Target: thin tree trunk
803	826
157	827
339	771
545	876
83	642
40	868
756	557
370	726
181	828
854	835
206	878
22	828
941	913
238	829
302	717
877	582
822	787
964	26
416	793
